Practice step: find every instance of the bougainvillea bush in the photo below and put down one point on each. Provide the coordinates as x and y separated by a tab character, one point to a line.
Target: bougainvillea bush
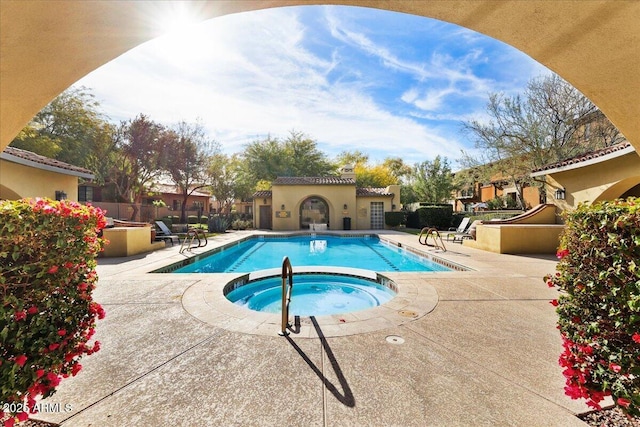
599	307
48	255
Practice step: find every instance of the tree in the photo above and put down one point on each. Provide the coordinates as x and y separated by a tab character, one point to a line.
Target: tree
398	168
67	129
433	181
186	147
297	155
551	122
138	160
374	176
354	158
226	179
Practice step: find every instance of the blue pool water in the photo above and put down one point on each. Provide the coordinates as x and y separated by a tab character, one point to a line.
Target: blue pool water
312	294
321	250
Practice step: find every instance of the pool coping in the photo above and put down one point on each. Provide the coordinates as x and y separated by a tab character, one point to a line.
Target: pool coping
206	302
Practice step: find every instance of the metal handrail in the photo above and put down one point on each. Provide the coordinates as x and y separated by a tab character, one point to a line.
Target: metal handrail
287	288
194	233
435	235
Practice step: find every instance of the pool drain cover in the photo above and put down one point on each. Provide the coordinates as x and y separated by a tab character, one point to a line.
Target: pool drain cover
408	313
394	339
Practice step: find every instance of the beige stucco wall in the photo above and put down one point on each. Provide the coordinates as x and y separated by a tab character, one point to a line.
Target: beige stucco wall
517	239
19	181
128	241
600	181
336	196
292	197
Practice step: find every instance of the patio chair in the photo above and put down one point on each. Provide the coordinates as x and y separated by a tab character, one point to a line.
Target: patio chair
462	228
163	233
468	234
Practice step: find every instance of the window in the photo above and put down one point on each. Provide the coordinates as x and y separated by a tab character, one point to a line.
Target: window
85	193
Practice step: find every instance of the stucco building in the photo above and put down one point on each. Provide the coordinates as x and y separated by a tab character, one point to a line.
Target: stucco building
26	174
606	174
323	203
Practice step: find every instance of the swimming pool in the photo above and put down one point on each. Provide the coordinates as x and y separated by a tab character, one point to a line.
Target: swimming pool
260	253
312	294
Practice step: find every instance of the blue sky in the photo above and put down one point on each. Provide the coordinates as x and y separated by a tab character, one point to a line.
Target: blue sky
385	83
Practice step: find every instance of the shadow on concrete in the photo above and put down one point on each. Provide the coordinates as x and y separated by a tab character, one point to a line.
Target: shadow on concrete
346	398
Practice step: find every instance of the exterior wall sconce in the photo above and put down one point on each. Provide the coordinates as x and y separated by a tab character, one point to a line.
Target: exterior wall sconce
345	206
282	207
560	194
61	195
264	201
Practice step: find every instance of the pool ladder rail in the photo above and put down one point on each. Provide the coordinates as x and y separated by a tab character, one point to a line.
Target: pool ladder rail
193	234
434	234
287	288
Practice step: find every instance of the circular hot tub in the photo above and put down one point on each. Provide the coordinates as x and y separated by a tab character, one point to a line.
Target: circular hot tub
313	294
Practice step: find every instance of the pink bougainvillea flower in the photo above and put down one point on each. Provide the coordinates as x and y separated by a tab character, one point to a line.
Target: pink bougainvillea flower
53	346
20	315
39	373
21	360
53	378
53	270
10	422
554	302
32	310
636	337
622	401
76	368
615	368
62	332
562	253
22	416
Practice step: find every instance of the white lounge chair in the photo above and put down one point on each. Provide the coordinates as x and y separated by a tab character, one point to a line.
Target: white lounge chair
462	229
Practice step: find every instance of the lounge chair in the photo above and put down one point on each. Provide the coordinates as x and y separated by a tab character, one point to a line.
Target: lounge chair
470	233
462	228
163	233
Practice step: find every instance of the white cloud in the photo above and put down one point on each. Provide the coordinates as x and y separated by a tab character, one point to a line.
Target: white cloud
252	74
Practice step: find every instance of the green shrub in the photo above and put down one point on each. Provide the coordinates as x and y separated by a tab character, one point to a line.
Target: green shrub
432	216
168	221
240	224
394	219
218	224
47	275
192	219
204	220
599	308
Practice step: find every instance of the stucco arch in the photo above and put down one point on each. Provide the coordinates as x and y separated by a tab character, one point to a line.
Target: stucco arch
325	200
47	46
618	189
7	193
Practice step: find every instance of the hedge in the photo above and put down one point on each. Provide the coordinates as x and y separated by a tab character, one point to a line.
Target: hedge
47	317
394	219
439	217
599	307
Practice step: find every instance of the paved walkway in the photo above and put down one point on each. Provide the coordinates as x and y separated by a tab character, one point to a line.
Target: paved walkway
486	355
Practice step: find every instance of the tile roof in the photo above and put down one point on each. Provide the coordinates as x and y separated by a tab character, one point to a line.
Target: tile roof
372	192
262	193
593	155
28	158
313	180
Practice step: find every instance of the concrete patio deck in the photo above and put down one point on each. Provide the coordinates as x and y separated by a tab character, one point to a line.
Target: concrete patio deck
486	355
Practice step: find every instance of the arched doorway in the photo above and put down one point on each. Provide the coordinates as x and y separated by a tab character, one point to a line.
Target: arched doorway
314	210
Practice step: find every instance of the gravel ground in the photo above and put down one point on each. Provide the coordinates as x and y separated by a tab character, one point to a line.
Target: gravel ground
610	417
